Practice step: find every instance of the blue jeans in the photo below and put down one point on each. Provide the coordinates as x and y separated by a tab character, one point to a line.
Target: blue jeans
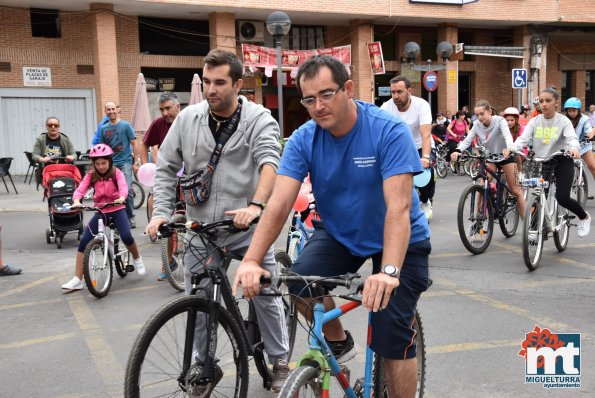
126	168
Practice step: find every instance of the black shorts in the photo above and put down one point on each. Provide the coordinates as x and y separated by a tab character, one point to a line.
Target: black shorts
393	335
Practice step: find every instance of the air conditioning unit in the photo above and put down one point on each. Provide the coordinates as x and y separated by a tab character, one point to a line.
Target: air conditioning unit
251	31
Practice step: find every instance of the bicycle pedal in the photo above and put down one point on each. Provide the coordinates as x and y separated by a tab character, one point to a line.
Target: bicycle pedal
129	268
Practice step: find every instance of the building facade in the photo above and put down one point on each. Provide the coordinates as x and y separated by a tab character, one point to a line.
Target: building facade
67	62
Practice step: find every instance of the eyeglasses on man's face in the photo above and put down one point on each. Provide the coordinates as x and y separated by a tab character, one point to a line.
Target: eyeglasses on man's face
53	125
324	97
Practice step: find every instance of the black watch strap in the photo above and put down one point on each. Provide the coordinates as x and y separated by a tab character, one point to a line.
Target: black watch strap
258	203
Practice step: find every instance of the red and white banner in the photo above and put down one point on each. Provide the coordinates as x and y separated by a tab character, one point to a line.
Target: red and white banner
264	57
376	58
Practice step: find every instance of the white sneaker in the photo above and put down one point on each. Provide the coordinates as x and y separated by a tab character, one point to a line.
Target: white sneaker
74	284
584	227
427	209
139	266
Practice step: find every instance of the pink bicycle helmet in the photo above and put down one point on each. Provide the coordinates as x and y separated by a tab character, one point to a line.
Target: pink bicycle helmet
101	151
512	111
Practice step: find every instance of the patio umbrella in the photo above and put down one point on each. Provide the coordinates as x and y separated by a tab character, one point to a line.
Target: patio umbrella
141	117
196	90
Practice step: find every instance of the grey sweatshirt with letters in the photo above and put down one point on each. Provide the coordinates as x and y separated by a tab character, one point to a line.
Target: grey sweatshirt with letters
189	140
548	135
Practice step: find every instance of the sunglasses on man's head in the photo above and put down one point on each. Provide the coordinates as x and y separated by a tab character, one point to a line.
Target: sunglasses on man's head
53	125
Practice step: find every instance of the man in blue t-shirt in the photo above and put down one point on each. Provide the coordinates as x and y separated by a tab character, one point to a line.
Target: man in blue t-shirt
119	135
361	162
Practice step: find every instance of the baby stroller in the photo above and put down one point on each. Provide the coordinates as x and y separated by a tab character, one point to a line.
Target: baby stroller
59	182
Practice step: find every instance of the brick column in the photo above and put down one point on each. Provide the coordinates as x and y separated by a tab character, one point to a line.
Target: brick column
223	31
105	55
578	87
448	92
361	71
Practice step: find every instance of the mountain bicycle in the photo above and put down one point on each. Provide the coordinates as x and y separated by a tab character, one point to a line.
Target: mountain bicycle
543	215
479	205
441	165
299	233
102	253
165	361
581	183
314	369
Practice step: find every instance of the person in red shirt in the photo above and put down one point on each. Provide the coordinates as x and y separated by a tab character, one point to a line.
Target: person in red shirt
524	116
169	106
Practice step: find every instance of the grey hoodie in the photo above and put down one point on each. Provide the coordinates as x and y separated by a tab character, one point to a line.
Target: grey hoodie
548	135
494	137
254	144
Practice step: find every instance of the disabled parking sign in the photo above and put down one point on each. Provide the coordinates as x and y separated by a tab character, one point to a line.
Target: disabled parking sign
519	78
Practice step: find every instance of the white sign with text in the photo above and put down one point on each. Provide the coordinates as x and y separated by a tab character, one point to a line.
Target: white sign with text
37	77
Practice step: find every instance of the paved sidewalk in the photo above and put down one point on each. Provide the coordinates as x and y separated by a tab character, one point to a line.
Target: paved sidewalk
28	198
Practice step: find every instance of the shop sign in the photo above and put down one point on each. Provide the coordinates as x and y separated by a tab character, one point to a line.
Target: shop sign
37	77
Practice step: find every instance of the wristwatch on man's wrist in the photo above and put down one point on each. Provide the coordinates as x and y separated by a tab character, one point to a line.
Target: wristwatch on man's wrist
258	204
391	270
426	157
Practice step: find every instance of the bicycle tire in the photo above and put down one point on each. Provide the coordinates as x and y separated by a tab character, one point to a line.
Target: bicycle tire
562	235
509	217
293	248
138	193
291	313
94	266
176	278
119	264
582	189
303	382
441	168
480	234
156	358
533	224
380	390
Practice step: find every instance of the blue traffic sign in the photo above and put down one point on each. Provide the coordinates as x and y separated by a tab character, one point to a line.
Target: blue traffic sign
519	78
430	81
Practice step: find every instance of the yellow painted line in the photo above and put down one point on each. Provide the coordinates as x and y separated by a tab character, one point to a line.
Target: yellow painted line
437	294
28	304
126	328
556	282
30	285
508	248
480	345
41	340
541	320
105	360
135	289
576	263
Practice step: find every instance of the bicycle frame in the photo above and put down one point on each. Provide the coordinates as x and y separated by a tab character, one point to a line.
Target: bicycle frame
321	354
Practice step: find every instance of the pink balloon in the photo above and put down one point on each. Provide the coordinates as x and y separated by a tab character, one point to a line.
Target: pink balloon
146	174
301	202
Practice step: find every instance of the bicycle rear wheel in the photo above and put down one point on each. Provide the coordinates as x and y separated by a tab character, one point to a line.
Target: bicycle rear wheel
97	268
380	389
509	218
581	185
156	363
475	221
138	193
291	312
561	217
533	233
303	383
121	261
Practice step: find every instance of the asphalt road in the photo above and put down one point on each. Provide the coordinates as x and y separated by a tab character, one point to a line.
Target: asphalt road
475	315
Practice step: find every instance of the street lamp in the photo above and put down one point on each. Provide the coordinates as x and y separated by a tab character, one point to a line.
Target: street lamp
411	50
278	25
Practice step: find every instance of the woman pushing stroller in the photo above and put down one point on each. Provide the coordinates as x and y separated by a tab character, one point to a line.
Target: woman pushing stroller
110	186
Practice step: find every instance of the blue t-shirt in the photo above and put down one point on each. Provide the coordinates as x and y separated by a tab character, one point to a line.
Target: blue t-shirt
347	175
118	137
97	135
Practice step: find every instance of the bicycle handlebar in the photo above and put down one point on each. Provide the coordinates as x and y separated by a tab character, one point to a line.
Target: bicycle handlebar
200	227
97	208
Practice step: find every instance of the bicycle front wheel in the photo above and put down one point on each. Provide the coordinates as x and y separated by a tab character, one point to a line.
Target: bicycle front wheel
293	249
441	168
533	233
475	221
303	383
509	217
138	193
156	363
380	389
97	268
291	313
175	276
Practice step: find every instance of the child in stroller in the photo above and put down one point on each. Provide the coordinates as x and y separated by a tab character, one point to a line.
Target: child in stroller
60	182
110	187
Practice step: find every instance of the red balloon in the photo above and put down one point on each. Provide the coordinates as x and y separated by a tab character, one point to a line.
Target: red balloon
309	219
301	202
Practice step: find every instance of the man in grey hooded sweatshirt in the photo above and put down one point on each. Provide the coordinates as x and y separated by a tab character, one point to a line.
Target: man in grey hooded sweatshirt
240	187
